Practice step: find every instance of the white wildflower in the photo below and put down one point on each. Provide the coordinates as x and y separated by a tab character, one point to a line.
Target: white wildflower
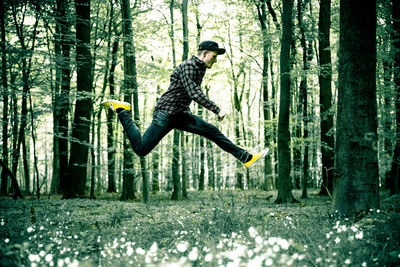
193	254
328	235
153	248
140	251
283	243
208	257
360	235
129	252
182	246
259	240
34	258
48	258
252	232
272	240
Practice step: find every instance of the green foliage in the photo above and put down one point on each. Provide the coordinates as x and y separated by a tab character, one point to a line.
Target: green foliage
233	228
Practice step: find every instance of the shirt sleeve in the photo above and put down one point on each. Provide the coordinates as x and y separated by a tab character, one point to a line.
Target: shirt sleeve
194	90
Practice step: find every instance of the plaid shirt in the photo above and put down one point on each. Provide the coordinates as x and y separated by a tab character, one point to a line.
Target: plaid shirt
184	87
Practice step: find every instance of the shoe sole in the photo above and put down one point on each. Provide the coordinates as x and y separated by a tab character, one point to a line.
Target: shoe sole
266	151
109	101
115	101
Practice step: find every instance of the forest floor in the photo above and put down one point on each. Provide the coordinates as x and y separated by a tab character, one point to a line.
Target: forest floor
227	228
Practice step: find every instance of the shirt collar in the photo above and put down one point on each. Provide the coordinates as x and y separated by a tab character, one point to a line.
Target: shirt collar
198	61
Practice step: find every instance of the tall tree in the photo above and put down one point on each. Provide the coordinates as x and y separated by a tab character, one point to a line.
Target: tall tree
175	147
262	17
26	67
356	186
4	83
129	84
303	91
284	183
325	97
62	108
110	115
395	172
77	167
109	68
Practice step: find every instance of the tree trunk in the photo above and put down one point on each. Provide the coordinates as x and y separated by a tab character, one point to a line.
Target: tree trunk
284	183
4	180
175	147
77	167
110	116
184	168
356	186
63	99
55	93
175	167
156	160
110	62
25	164
304	95
202	156
325	98
15	121
14	182
130	86
395	172
262	17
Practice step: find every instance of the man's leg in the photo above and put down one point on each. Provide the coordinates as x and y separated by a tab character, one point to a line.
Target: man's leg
159	127
196	125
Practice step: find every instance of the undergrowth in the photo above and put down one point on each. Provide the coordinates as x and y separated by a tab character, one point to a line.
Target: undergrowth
228	228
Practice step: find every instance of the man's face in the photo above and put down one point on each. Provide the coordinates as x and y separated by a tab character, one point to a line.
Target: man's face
209	58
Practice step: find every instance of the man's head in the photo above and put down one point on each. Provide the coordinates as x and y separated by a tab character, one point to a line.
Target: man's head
208	52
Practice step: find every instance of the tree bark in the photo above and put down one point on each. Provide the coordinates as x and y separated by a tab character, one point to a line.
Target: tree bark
176	177
325	98
262	17
129	85
304	95
156	160
4	180
14	182
77	167
63	99
356	186
395	172
110	116
284	183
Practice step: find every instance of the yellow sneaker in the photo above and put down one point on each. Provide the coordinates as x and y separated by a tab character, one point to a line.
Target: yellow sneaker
115	104
256	158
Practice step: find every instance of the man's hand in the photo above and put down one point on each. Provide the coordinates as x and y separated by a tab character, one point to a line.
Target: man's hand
221	115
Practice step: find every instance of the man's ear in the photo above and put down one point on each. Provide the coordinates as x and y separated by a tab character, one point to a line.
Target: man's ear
203	54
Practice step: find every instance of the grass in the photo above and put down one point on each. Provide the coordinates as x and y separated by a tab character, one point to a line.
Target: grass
227	228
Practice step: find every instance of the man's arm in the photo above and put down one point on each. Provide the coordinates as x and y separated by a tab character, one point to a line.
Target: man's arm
194	90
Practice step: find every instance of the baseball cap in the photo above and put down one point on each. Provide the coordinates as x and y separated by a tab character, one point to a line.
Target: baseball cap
211	46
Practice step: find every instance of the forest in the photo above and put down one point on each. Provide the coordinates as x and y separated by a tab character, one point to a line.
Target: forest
315	81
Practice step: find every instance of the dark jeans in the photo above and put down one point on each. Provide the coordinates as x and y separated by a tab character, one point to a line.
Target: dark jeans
163	123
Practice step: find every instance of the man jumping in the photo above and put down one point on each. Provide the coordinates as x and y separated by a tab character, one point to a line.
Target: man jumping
172	109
